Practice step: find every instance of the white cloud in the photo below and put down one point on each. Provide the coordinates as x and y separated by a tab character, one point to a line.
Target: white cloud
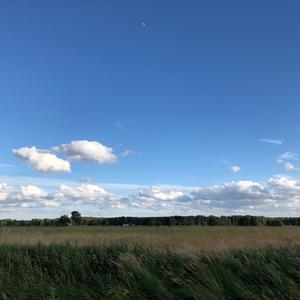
87	151
42	160
33	191
284	183
128	152
46	161
3	191
289	156
280	195
272	141
162	194
289	167
234	169
86	193
231	194
51	203
25	197
85	180
275	196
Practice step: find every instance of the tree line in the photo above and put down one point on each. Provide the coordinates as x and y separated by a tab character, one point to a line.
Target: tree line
76	219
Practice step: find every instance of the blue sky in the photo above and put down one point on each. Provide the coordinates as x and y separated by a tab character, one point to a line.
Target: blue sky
196	93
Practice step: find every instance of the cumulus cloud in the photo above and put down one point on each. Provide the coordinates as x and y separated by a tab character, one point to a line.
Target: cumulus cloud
84	150
277	195
25	197
159	199
161	194
280	195
42	160
86	193
284	182
234	169
232	195
272	141
92	194
51	203
3	191
32	191
31	196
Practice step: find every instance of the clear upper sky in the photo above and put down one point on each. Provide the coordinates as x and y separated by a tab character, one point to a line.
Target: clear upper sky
187	93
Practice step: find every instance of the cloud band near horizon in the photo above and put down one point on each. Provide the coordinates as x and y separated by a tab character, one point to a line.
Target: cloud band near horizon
275	196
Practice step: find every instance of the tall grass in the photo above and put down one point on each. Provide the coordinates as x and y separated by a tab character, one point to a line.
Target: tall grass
177	238
120	271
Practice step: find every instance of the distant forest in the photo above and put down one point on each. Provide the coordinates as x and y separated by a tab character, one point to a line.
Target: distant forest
77	219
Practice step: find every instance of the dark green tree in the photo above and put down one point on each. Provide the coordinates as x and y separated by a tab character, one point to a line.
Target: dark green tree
245	221
76	218
64	220
213	221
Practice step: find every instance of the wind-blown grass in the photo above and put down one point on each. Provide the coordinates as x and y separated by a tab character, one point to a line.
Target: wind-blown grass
120	271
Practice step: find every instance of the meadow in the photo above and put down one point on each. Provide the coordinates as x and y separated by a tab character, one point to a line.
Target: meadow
180	262
178	238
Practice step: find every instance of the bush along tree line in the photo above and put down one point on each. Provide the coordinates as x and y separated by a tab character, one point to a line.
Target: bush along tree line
77	219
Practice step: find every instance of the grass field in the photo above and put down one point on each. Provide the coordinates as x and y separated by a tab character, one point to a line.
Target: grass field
178	238
150	263
118	271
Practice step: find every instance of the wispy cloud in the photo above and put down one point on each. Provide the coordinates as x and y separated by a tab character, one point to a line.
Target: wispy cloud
7	167
225	161
118	125
234	169
129	152
271	141
285	158
289	156
288	166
